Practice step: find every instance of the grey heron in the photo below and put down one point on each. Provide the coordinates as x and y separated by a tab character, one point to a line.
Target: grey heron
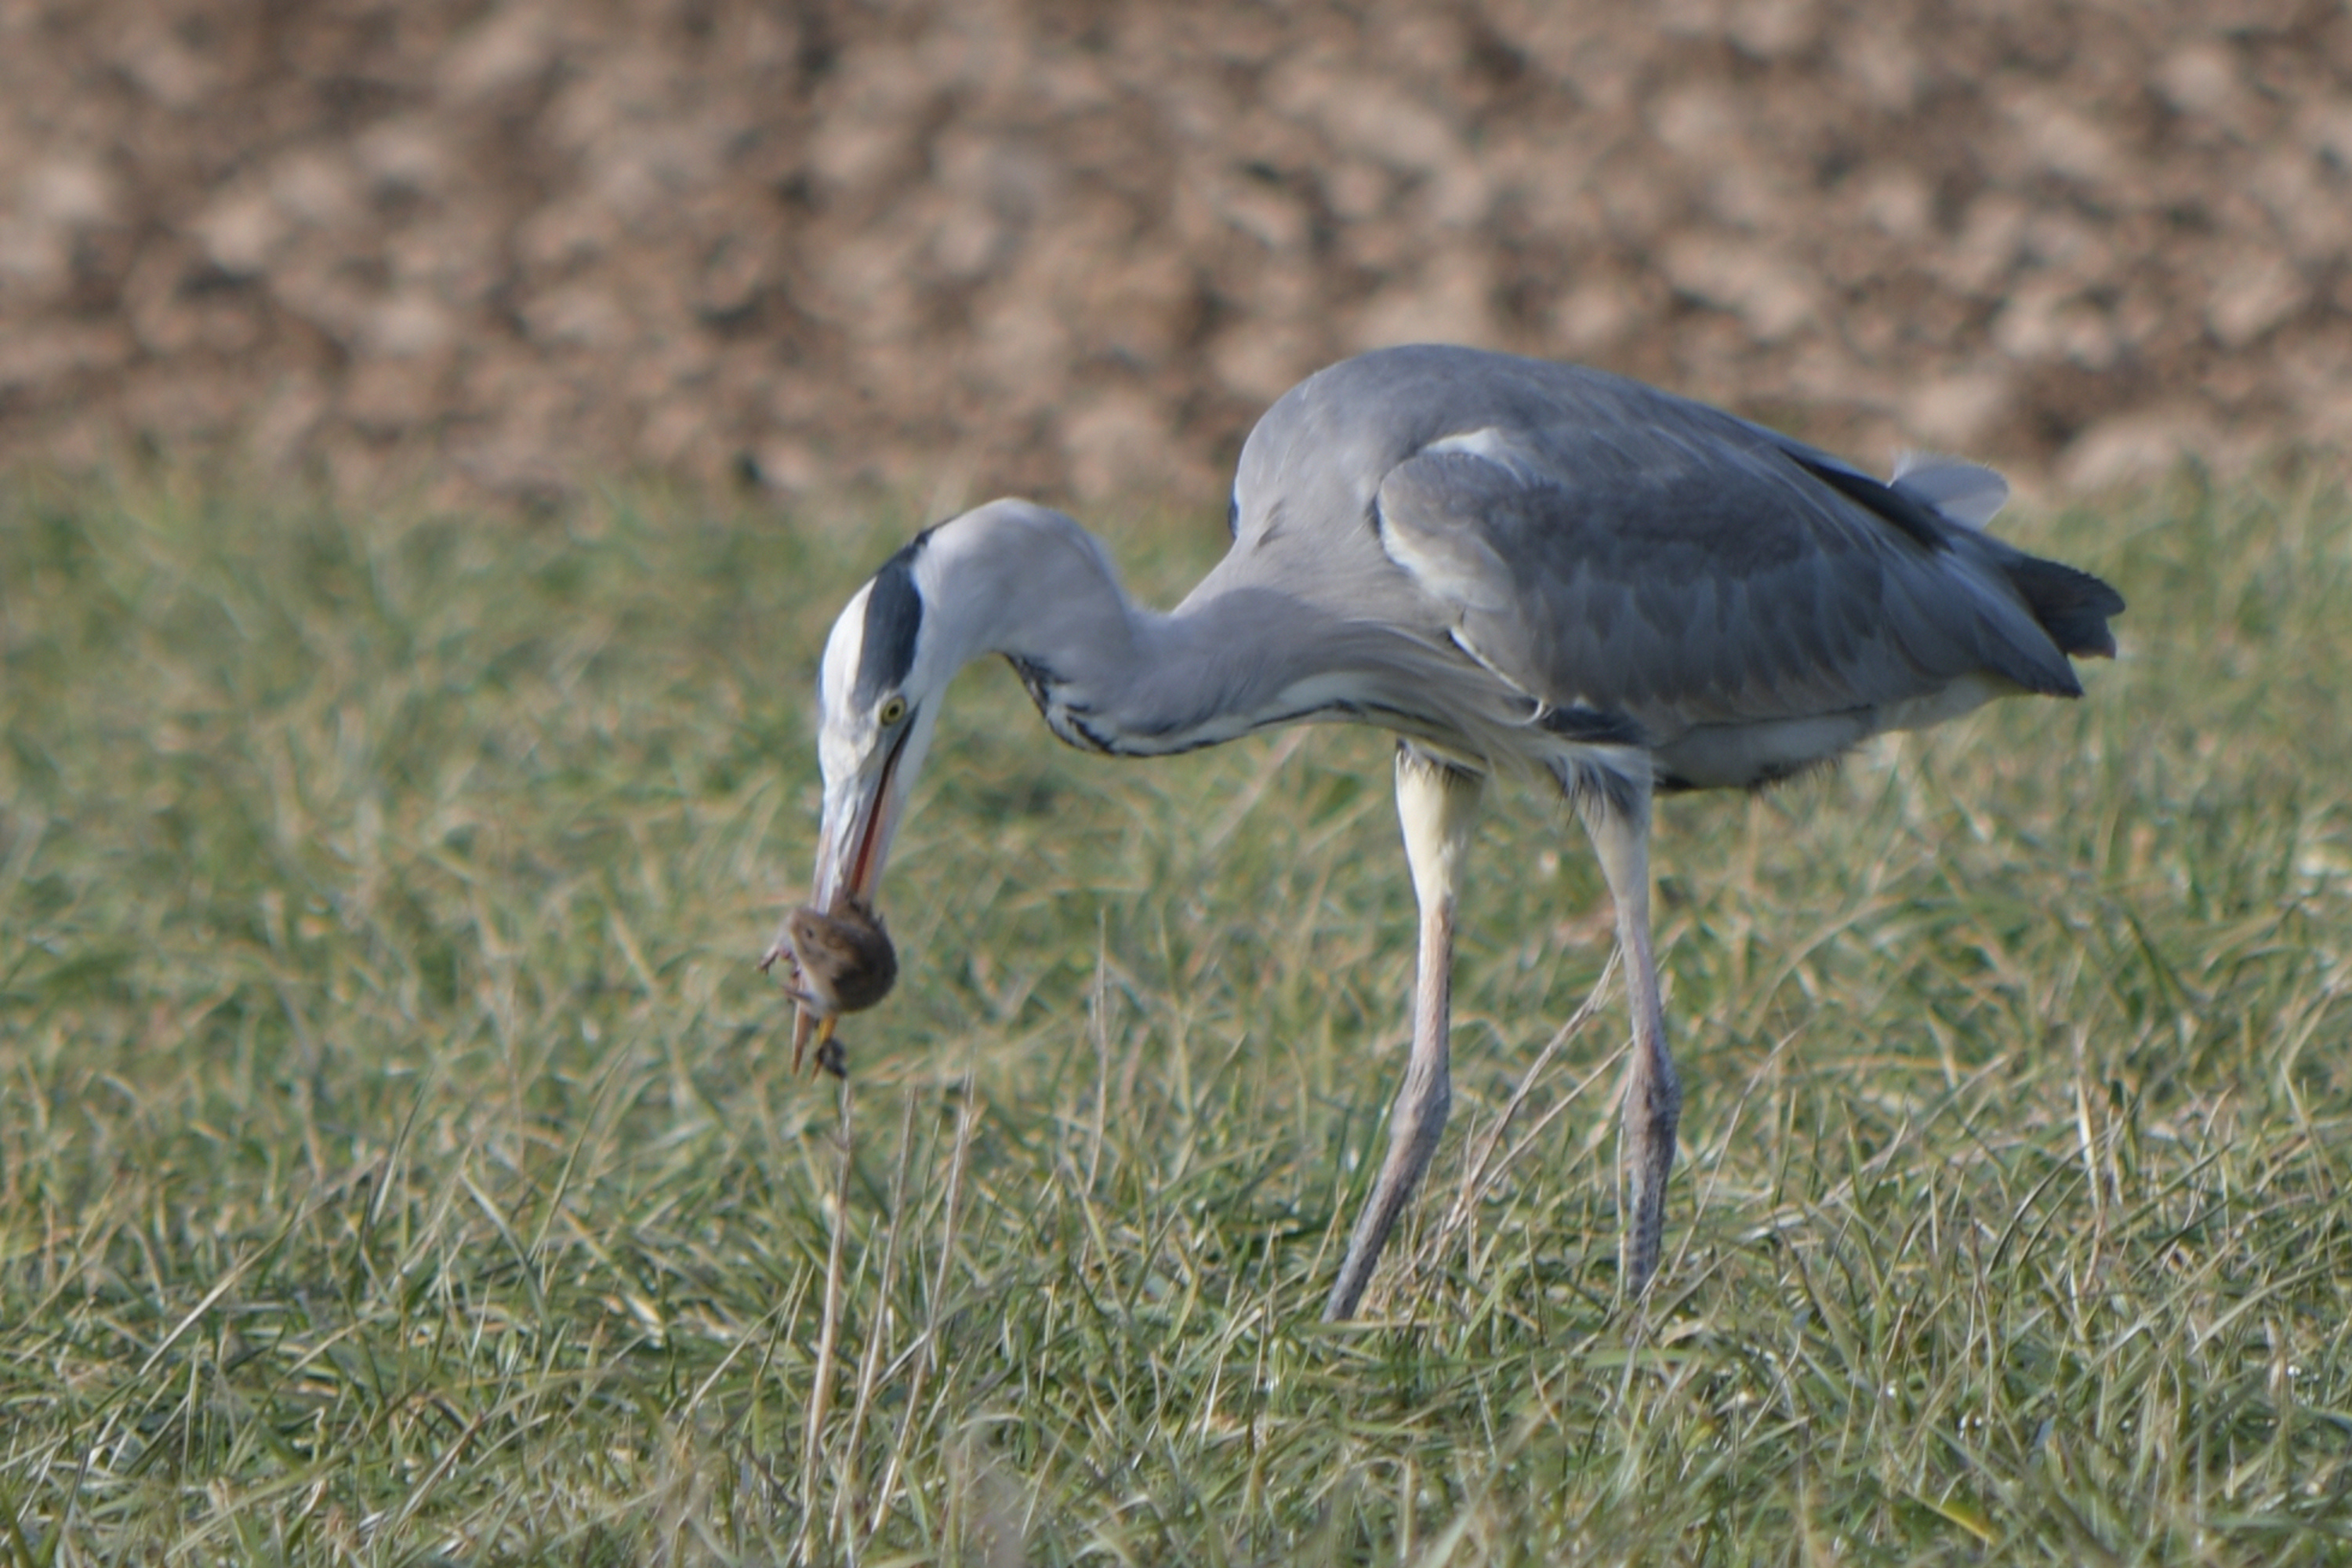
1515	565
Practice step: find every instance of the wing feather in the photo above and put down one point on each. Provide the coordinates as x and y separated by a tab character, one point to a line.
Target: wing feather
1703	570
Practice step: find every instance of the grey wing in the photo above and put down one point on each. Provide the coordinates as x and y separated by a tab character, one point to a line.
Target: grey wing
1704	572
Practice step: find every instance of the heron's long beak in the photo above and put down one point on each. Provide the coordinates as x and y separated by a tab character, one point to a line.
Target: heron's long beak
861	818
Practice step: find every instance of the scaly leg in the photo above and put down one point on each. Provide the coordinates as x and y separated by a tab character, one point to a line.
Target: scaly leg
1437	802
1654	1096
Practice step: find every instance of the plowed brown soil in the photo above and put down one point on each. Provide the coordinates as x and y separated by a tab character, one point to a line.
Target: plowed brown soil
1074	248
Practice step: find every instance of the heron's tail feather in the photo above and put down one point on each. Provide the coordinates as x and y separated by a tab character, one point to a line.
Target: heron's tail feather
2073	606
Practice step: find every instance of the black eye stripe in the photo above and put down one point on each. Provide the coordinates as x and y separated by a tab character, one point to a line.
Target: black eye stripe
894	615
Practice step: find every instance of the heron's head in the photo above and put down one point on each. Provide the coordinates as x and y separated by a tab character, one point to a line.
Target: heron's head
1002	578
1006	577
879	698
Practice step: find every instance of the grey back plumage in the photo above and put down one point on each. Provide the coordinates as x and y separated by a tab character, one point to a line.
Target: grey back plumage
1609	549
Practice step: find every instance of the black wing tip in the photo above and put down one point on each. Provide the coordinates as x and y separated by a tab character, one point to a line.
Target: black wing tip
2073	605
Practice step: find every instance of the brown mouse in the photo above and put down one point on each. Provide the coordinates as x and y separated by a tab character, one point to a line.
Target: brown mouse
843	962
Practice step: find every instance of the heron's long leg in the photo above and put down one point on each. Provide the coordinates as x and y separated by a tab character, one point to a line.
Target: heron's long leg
1653	1095
1437	802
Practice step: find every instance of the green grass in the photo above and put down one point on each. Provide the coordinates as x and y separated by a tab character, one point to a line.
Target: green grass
398	1160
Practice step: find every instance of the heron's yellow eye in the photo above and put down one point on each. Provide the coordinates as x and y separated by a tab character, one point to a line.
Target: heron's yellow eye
893	709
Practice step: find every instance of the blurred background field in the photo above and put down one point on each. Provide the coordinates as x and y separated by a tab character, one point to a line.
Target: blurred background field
1072	249
398	1161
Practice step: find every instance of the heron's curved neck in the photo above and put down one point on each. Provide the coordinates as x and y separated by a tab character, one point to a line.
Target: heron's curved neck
1203	674
1106	674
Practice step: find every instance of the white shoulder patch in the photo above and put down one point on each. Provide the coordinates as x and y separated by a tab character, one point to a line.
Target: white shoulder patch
1491	442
